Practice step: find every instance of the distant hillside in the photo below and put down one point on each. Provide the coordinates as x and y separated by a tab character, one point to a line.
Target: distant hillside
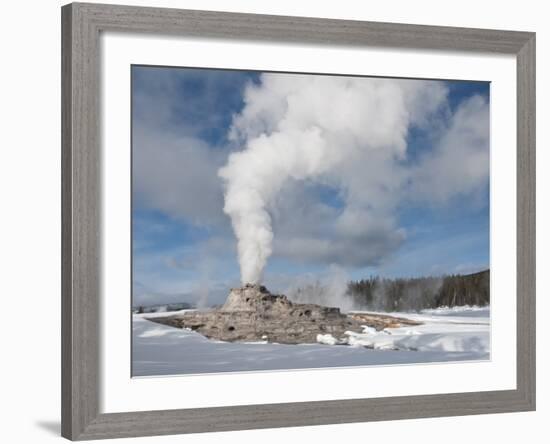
161	307
401	294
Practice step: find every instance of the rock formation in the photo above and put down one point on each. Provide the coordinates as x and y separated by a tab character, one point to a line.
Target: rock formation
252	313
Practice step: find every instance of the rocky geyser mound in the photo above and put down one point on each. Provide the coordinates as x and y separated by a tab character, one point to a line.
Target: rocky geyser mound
252	313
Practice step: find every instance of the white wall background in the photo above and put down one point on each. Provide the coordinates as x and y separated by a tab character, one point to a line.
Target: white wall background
30	219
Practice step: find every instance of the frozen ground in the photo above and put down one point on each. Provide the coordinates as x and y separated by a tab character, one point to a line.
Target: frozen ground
456	334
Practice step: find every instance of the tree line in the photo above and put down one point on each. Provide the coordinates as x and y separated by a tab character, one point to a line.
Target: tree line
414	294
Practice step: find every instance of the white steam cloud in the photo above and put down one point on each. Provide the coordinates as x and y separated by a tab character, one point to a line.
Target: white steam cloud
346	133
330	290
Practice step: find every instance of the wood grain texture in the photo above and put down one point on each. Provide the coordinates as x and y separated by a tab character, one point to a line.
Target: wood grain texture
81	237
119	425
526	221
66	224
230	25
81	222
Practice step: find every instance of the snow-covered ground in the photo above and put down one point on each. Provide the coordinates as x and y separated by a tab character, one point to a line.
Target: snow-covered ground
456	334
458	329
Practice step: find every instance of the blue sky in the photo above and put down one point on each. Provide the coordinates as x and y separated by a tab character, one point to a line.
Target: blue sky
436	221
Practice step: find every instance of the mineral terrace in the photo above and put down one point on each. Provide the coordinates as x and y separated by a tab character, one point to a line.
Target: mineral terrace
252	313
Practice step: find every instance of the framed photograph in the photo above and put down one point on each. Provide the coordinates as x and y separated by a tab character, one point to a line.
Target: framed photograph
278	221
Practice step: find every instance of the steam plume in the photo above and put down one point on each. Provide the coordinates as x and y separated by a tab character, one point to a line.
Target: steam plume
296	127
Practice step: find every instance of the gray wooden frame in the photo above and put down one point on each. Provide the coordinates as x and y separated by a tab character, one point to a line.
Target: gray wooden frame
81	166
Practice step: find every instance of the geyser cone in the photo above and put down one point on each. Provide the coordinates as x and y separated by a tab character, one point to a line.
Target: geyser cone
252	313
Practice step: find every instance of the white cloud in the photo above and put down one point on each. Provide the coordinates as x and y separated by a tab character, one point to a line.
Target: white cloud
178	175
179	120
459	164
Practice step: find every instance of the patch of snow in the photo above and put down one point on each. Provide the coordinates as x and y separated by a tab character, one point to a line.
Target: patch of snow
159	314
327	339
444	329
368	330
464	310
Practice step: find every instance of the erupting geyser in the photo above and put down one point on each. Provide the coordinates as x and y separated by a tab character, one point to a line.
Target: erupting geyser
307	129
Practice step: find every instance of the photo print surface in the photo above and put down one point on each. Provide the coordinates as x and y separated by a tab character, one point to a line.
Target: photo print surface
292	221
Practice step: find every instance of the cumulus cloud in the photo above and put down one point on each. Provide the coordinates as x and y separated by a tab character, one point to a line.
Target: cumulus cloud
348	134
310	231
459	164
178	176
180	120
